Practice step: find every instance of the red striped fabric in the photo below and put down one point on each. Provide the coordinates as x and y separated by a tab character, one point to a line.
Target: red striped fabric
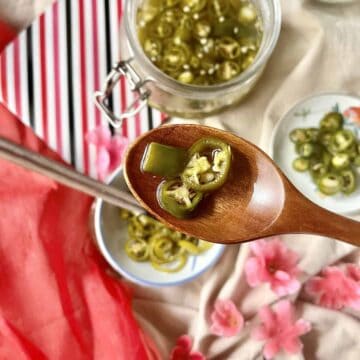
49	73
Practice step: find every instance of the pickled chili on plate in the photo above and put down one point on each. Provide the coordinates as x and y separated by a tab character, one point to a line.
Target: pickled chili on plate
151	241
330	153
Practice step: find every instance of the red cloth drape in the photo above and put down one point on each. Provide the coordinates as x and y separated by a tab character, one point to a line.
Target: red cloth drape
7	33
56	299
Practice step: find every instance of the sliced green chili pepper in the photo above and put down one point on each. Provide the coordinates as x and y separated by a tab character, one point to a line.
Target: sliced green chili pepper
193	5
209	165
163	30
164	160
137	249
348	181
326	158
357	161
325	138
332	122
177	199
330	184
341	141
175	56
247	14
228	48
340	161
202	29
308	149
227	70
317	171
301	164
312	134
299	136
165	249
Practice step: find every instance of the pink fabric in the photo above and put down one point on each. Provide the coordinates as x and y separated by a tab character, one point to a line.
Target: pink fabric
57	301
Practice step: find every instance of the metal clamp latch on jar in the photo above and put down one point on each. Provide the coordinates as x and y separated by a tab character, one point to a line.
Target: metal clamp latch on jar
122	68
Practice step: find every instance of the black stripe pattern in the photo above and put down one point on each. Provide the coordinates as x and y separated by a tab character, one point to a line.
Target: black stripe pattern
30	75
70	83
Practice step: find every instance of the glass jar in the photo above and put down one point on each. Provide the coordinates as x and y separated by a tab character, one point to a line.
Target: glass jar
164	93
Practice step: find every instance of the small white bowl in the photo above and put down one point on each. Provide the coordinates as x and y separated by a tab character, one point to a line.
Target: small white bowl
308	113
111	235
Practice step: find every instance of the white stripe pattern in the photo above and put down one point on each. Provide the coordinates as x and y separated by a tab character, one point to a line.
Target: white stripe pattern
59	91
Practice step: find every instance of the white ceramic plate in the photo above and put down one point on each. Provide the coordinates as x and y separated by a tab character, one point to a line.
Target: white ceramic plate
308	113
111	235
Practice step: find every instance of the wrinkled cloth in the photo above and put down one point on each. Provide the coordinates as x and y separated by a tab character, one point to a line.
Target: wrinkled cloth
56	299
317	51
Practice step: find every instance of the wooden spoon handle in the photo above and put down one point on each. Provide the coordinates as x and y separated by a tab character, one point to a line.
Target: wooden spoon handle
66	176
303	216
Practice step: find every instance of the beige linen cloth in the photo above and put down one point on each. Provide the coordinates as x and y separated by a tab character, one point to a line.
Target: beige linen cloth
318	51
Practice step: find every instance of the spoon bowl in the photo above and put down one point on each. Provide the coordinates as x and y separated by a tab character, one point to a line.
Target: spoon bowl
256	201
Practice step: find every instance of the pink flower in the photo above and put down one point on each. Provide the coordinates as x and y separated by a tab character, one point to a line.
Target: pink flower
272	262
110	149
182	350
353	271
353	113
334	289
280	329
226	319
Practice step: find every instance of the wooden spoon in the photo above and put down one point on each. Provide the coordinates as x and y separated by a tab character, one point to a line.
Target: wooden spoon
256	201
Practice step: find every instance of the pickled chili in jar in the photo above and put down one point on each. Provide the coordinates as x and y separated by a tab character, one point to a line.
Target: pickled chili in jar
200	42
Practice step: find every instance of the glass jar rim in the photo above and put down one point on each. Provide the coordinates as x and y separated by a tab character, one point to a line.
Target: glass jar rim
168	83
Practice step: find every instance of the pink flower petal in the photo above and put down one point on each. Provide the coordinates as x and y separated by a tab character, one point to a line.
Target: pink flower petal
334	289
292	345
252	268
260	333
280	329
102	162
272	262
100	136
353	272
226	319
271	348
